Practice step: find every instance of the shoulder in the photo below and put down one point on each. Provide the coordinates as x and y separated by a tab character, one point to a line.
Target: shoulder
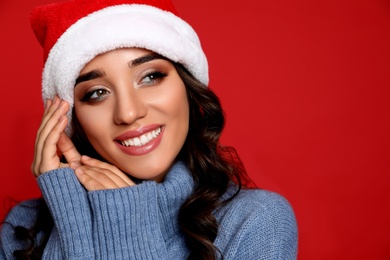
260	207
259	203
24	213
260	219
262	202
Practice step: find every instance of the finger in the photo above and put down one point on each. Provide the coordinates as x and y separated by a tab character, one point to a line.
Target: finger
36	160
48	104
51	121
51	107
99	164
97	178
49	157
103	175
67	148
55	111
89	183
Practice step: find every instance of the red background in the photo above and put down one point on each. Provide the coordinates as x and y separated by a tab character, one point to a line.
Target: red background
305	86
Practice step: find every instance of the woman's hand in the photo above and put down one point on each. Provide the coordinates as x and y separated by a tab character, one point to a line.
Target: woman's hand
97	175
51	141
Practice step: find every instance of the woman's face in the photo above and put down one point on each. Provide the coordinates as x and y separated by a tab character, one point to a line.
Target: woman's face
133	107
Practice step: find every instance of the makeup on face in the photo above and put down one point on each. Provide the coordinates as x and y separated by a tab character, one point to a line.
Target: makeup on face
133	108
141	141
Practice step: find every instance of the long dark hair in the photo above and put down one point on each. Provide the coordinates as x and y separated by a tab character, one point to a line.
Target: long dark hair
214	168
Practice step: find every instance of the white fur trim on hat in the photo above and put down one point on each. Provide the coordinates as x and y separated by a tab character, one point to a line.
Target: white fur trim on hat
120	26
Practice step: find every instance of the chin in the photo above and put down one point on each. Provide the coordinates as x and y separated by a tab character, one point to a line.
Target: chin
150	171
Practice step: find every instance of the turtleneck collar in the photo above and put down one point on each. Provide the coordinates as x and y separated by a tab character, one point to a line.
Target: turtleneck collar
172	193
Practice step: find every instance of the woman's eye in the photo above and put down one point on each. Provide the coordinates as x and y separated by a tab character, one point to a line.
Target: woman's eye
152	78
95	95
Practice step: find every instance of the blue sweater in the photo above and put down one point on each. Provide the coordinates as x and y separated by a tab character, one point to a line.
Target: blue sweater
140	222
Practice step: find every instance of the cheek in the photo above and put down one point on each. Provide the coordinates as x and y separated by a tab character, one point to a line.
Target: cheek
177	100
185	114
91	120
179	108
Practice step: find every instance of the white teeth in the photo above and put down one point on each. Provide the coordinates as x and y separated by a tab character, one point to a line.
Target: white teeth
143	139
137	142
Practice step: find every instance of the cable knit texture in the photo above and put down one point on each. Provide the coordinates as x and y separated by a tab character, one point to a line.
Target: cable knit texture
140	222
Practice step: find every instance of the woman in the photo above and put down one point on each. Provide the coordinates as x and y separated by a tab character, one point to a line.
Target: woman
142	174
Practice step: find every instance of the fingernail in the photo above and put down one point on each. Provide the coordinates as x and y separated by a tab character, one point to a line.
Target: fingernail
79	171
85	157
74	165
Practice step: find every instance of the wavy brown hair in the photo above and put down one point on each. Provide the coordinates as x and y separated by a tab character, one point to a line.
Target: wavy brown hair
214	169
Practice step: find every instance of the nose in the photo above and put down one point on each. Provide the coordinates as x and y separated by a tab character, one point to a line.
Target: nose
129	107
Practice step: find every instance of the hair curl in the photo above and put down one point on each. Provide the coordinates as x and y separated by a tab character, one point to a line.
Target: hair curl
214	168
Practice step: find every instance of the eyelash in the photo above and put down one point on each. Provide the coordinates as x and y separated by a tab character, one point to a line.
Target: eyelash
154	76
88	96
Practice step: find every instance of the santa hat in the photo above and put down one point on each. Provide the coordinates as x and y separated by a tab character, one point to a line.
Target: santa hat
72	33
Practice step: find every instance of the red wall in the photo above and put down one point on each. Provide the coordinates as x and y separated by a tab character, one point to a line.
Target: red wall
305	86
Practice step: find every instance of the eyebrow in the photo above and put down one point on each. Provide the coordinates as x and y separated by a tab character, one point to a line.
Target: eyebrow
144	59
94	74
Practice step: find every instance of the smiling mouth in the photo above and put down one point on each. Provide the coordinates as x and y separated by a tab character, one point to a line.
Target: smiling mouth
143	139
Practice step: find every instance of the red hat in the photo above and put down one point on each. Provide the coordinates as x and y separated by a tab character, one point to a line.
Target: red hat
72	33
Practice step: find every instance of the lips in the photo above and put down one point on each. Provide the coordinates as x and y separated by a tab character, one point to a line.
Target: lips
140	141
143	139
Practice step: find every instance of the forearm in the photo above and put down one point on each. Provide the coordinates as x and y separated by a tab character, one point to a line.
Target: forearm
68	204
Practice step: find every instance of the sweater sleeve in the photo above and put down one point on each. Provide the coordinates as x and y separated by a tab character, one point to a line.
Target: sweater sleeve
258	225
126	223
68	203
24	215
2	255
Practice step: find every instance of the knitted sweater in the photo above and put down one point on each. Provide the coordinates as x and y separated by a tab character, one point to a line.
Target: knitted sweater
140	222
